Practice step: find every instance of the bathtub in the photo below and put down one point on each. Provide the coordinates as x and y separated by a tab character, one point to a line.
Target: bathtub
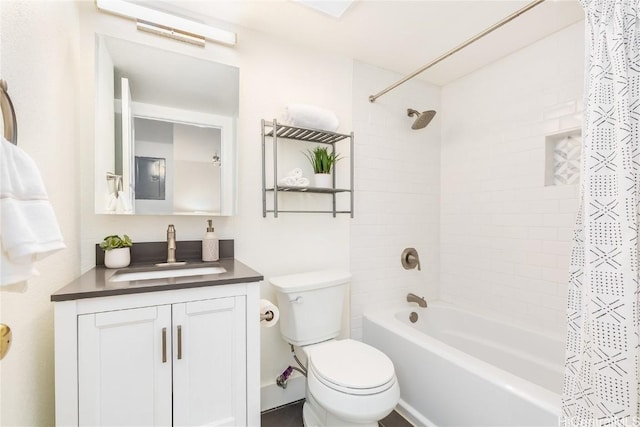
456	368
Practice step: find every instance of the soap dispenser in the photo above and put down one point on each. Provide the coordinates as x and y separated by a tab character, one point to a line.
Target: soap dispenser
210	248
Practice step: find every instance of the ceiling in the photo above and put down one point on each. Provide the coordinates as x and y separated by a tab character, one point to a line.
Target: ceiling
397	35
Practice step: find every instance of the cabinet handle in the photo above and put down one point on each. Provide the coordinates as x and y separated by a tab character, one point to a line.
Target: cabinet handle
179	342
164	345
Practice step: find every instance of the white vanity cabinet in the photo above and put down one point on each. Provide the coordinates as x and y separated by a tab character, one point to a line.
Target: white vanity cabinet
122	377
185	357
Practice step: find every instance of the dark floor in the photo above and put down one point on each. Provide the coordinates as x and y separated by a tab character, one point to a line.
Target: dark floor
291	416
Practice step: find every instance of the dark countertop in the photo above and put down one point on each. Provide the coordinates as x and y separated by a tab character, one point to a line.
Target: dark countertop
95	283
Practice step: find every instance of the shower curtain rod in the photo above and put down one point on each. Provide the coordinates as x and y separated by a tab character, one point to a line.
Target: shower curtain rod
495	26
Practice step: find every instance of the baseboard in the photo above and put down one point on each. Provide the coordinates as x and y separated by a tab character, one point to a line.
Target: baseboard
272	396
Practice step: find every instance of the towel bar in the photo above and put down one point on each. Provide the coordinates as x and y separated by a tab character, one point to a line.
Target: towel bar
8	114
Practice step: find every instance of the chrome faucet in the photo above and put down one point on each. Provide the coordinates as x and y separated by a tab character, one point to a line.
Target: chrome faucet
171	244
415	298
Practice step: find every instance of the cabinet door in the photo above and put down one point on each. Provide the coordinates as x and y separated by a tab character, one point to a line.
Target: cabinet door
124	377
209	365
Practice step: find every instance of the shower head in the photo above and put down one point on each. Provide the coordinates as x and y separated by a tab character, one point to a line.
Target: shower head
423	118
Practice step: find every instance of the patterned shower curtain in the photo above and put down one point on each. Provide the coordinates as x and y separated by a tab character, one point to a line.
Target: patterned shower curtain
602	378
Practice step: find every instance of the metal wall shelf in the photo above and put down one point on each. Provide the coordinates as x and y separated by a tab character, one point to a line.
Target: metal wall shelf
275	131
308	189
303	134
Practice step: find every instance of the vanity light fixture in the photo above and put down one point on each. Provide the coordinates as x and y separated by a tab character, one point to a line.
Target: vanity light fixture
161	30
166	24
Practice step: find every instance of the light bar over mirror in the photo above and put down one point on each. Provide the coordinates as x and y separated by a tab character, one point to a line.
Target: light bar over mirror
166	24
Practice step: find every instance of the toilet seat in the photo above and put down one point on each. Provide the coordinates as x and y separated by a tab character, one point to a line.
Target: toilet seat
352	381
351	367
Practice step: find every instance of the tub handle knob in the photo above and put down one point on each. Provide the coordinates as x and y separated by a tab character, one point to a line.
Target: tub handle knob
297	299
410	259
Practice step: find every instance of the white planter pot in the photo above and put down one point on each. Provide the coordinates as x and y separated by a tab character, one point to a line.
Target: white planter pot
117	258
323	180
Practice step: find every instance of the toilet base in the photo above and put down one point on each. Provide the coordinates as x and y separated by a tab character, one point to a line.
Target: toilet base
313	415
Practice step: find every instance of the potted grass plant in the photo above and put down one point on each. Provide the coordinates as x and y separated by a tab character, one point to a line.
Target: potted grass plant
117	253
322	162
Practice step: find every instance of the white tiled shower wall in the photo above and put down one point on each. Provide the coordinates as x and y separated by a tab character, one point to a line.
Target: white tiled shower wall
397	182
505	236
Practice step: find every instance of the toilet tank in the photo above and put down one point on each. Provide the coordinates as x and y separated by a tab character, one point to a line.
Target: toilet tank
311	305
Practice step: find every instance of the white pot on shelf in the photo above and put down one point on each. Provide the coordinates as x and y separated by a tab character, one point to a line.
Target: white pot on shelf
117	258
323	180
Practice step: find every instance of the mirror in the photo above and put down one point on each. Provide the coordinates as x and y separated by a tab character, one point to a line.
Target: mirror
165	131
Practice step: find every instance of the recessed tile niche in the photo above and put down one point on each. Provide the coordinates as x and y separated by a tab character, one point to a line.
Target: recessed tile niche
563	154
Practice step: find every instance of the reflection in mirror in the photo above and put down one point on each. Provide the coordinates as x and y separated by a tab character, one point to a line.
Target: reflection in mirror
191	150
165	132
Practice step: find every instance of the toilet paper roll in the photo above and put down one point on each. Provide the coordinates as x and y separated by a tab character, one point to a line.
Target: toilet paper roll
266	308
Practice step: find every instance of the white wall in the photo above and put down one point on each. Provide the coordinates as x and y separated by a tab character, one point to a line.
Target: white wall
499	112
197	179
397	181
52	85
505	237
272	74
105	125
39	58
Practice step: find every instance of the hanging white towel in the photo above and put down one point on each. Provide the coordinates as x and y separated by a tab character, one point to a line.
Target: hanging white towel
14	275
310	116
110	202
29	230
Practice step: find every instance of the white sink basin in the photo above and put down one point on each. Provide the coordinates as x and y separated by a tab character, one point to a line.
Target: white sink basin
165	274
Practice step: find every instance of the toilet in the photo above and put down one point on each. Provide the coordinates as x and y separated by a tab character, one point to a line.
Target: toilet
349	383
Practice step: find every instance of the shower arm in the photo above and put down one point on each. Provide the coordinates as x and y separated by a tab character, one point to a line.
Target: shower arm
372	98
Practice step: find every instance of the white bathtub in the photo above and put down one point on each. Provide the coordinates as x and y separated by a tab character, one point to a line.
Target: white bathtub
456	368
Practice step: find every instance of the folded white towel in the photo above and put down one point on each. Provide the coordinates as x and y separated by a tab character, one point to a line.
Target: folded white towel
29	229
310	116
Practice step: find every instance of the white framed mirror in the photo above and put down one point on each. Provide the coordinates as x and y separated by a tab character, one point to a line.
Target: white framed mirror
165	132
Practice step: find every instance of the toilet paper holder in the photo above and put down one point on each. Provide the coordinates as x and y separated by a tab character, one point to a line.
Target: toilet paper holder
268	316
269	313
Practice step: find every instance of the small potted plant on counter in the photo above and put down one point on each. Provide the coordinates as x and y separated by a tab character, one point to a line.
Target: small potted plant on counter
116	251
322	161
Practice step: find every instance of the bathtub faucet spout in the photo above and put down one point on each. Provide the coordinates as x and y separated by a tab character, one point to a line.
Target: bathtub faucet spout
415	298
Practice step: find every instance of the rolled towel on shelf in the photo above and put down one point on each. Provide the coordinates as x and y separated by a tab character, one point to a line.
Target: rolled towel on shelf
295	172
294	179
302	182
287	181
310	116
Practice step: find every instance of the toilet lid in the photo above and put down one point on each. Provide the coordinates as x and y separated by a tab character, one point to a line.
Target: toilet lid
352	364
